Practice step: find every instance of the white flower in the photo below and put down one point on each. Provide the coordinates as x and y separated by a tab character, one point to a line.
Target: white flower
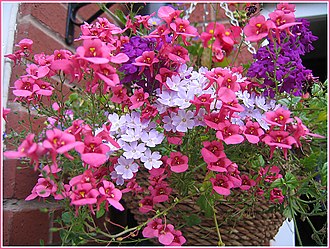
117	123
133	150
131	135
151	160
167	97
126	167
184	120
152	138
184	99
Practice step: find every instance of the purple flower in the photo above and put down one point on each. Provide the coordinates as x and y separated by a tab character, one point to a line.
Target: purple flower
152	138
126	167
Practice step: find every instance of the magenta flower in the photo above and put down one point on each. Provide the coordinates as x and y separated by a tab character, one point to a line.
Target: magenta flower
94	51
178	240
84	194
36	72
151	230
280	139
257	28
178	162
138	98
160	192
147	59
247	183
5	112
280	117
93	151
86	177
204	100
165	234
212	151
276	195
25	45
111	194
229	133
29	149
59	142
182	27
221	184
220	165
168	14
44	188
146	204
252	132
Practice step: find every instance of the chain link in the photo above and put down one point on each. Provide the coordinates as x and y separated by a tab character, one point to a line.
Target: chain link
234	22
190	10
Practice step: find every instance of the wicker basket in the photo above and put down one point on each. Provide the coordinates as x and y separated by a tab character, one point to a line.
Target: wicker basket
255	227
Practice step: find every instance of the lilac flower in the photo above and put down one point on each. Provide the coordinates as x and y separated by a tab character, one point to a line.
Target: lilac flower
133	150
199	118
151	160
117	123
246	98
184	120
167	98
152	138
174	83
131	135
168	122
183	100
118	177
126	167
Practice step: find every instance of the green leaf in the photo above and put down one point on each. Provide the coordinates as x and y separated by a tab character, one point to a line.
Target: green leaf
324	174
289	213
258	162
323	116
291	181
100	213
54	229
121	16
206	204
66	217
192	220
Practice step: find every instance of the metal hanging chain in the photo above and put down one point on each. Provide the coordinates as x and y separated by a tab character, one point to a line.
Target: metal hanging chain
190	10
235	22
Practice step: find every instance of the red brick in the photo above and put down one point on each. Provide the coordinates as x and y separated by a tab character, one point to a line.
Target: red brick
25	224
18	182
42	42
53	15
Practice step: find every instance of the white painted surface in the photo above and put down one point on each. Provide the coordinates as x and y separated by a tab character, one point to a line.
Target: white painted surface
285	236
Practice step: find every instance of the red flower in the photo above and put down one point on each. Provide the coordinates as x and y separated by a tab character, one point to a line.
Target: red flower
178	162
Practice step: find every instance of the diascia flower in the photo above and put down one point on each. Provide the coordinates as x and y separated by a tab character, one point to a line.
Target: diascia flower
178	162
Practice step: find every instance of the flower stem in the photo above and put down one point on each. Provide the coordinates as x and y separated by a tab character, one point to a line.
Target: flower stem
220	243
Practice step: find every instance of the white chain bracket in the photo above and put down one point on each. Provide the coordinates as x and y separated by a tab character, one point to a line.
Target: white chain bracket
235	22
190	10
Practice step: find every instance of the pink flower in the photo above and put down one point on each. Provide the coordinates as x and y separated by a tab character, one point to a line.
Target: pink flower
204	100
280	117
138	98
165	234
168	14
160	192
151	230
220	165
93	151
5	112
252	132
276	195
111	194
280	139
221	184
119	94
258	28
84	194
178	240
146	204
86	177
212	151
229	133
247	183
25	45
44	188
286	7
76	129
29	149
148	112
51	171
147	59
93	51
59	142
178	162
37	72
182	27
174	137
269	174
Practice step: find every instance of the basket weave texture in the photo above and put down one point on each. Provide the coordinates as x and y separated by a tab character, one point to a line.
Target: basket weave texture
254	227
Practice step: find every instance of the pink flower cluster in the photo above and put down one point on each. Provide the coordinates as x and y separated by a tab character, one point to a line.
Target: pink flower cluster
165	233
281	19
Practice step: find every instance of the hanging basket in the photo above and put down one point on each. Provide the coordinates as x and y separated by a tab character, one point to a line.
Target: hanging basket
256	226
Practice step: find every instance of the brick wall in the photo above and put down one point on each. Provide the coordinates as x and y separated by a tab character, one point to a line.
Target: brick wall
44	23
23	222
